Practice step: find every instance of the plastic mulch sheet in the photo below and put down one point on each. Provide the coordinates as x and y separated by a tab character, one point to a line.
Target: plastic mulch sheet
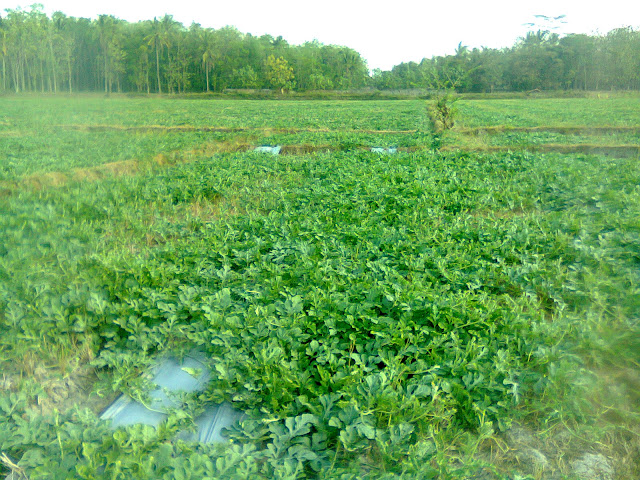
173	379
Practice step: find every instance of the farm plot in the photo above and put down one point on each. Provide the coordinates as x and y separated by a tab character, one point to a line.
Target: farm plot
22	112
606	127
388	316
51	140
533	112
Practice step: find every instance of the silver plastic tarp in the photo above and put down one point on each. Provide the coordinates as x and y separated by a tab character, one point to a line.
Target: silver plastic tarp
383	150
172	379
274	150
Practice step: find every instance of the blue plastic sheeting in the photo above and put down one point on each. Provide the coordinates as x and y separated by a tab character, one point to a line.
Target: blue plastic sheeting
211	422
390	150
174	379
274	150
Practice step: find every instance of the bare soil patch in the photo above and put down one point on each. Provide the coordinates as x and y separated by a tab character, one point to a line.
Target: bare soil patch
502	214
616	151
41	180
222	129
565	130
304	149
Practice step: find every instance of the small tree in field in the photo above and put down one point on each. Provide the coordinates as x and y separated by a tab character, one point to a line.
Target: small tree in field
441	110
279	73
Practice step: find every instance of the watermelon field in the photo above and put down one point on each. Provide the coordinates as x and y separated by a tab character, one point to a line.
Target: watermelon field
467	306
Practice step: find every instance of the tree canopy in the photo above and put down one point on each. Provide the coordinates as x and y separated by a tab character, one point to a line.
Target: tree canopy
541	60
62	53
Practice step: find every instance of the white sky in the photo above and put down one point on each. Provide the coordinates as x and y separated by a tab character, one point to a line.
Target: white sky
385	33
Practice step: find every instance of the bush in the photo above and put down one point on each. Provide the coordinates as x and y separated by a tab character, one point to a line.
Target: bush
442	112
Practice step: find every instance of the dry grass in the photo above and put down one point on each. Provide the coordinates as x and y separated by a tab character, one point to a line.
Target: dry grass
111	169
148	231
506	214
560	444
17	472
13	134
304	149
152	128
222	129
216	209
39	181
65	378
617	151
227	146
565	130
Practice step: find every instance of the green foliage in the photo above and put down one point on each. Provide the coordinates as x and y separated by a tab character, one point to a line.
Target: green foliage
442	112
66	54
279	73
541	60
375	316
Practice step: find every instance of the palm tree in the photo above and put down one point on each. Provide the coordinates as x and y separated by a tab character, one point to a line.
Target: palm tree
161	37
53	37
61	23
352	62
4	50
208	55
105	31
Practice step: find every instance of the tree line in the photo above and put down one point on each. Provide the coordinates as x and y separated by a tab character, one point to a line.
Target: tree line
541	60
67	54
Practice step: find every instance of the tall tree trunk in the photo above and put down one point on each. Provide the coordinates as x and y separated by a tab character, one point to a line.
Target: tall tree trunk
26	79
29	77
41	76
106	74
16	78
158	69
53	68
70	71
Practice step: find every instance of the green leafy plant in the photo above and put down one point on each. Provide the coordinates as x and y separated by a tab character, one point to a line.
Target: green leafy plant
372	315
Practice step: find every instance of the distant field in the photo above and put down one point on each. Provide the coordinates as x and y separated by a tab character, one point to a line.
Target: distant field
58	134
374	316
533	112
38	134
90	110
